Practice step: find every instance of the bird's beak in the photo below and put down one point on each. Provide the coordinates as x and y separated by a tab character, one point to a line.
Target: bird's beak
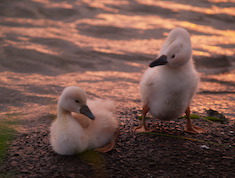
87	112
162	60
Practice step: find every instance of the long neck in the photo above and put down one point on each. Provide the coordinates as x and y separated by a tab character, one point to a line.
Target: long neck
82	120
184	70
189	64
62	112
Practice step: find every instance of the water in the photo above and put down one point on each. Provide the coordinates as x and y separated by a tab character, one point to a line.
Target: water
104	46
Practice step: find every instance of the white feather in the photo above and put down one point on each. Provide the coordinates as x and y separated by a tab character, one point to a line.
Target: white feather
168	89
73	133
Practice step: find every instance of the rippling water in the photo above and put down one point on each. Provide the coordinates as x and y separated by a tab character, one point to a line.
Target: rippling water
104	47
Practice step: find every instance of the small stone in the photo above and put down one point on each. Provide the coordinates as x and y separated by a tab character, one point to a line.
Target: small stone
205	147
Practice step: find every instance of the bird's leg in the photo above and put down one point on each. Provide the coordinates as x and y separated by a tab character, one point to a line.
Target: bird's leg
110	145
142	127
189	127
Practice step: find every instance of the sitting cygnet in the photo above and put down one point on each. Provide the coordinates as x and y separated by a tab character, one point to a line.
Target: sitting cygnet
83	125
170	82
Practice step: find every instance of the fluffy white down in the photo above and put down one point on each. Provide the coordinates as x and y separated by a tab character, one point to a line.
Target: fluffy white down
168	90
168	93
69	137
103	128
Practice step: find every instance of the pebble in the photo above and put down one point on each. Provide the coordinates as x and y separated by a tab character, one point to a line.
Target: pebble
205	147
149	155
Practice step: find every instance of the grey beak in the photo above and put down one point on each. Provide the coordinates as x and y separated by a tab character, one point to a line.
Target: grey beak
87	112
162	60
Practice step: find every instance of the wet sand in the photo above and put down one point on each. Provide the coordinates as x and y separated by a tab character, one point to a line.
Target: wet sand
104	47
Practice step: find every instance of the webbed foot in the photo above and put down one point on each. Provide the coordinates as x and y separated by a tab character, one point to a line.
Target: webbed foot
142	128
110	145
194	129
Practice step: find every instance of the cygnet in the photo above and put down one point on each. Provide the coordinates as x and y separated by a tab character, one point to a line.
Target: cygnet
83	125
170	82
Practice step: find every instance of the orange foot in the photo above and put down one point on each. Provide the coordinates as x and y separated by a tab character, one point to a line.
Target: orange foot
142	128
110	145
194	129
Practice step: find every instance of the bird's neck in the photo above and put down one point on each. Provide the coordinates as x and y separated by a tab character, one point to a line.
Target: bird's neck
184	70
188	65
82	120
62	112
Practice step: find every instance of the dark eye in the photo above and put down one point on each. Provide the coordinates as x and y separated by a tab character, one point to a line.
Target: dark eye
173	56
77	101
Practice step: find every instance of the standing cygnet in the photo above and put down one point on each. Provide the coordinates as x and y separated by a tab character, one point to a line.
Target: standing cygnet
76	129
170	82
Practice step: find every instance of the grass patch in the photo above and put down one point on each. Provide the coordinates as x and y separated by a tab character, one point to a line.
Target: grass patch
195	116
217	117
192	116
207	118
6	135
96	160
7	132
92	157
7	175
214	119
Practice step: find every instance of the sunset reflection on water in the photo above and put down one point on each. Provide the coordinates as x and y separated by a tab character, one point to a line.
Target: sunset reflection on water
104	47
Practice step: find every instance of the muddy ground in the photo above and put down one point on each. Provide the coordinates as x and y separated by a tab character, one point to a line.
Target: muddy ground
167	152
104	47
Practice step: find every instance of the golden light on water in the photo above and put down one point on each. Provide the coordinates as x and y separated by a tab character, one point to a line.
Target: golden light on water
174	6
86	42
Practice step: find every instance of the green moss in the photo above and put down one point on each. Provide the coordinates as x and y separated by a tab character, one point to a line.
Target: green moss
195	116
215	119
7	133
7	175
96	160
92	157
192	116
215	116
208	118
